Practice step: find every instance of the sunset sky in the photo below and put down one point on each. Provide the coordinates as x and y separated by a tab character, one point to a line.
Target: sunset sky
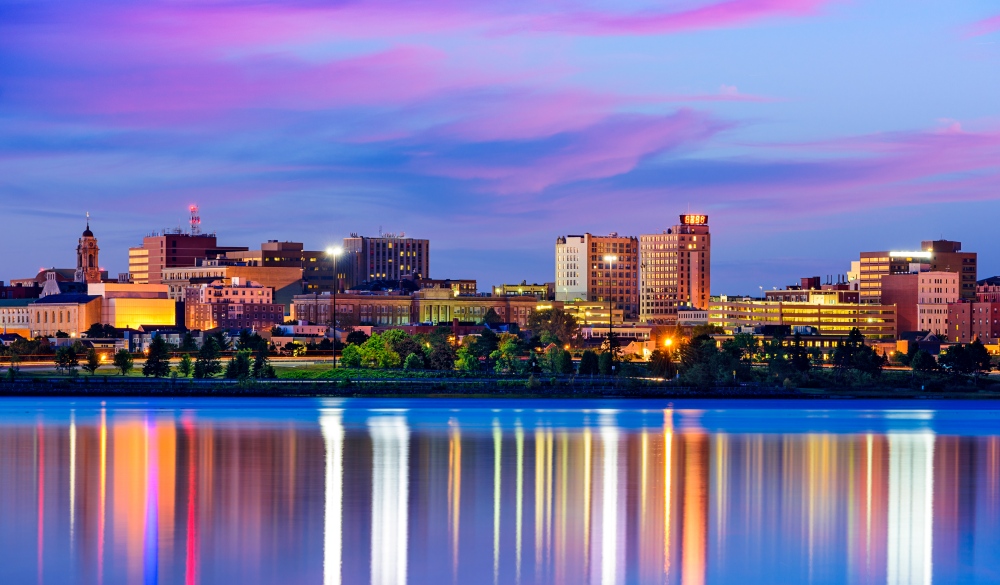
808	130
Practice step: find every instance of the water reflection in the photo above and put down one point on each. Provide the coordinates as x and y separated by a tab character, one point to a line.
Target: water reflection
352	494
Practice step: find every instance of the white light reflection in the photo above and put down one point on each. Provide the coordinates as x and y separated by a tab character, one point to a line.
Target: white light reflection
911	503
612	538
497	452
72	476
332	426
390	494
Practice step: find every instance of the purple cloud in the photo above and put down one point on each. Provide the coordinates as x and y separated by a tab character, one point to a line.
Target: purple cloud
984	27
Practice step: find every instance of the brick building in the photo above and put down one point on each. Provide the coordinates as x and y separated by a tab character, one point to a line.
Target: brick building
231	304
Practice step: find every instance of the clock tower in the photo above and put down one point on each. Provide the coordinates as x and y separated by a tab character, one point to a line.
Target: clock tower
88	268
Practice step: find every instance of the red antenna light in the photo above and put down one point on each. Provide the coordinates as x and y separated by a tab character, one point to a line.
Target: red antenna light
195	221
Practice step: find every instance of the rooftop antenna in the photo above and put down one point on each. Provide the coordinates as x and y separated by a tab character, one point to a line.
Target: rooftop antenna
195	221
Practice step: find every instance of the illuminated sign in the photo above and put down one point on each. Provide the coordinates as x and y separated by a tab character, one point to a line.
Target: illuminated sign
910	255
694	220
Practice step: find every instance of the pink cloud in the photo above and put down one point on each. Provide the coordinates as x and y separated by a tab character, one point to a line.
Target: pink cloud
613	146
984	27
714	15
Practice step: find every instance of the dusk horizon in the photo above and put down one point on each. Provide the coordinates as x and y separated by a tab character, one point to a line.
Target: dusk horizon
807	130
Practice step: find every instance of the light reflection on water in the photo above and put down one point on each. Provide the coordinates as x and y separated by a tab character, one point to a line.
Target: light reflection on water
463	491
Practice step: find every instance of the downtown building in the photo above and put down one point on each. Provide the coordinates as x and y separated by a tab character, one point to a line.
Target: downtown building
171	249
675	270
603	269
387	257
933	256
231	303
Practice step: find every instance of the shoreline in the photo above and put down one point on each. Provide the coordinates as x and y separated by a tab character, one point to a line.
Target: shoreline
514	388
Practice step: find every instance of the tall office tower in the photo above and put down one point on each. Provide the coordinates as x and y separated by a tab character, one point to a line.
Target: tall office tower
171	250
676	270
599	268
386	257
933	256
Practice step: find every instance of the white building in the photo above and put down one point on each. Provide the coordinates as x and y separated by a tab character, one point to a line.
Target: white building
935	291
571	267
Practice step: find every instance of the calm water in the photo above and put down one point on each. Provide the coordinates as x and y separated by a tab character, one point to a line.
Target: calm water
463	491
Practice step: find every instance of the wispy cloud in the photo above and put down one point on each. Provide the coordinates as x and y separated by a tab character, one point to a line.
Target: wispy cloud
984	27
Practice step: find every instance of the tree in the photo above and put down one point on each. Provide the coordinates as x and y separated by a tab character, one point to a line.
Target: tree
186	367
979	358
188	343
93	361
207	364
123	361
100	330
559	361
239	366
262	368
62	334
222	340
467	359
554	326
853	354
606	363
413	362
588	363
492	317
375	353
506	357
250	340
158	359
442	357
351	357
67	359
357	337
921	361
660	364
402	343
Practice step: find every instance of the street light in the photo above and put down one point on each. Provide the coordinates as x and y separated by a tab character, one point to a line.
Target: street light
611	259
335	252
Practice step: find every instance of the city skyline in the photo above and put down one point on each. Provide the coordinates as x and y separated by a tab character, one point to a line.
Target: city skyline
809	130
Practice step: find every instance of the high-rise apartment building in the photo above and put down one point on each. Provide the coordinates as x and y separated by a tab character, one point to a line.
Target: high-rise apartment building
676	270
170	250
386	257
936	256
599	268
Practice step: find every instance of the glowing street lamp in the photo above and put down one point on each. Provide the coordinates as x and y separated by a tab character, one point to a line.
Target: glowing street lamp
611	259
335	252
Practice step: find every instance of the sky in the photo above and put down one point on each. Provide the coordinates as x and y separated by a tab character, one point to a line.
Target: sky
807	130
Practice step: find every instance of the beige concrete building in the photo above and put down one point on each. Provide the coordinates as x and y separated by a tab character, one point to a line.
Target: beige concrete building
15	316
431	306
127	305
676	270
599	268
386	257
875	322
72	314
231	304
936	290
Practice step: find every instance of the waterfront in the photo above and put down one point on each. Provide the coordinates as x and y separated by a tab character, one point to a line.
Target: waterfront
461	491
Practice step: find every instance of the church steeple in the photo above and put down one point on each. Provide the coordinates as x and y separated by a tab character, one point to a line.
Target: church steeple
88	266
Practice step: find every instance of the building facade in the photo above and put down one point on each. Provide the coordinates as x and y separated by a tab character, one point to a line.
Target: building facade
933	256
317	267
875	322
936	290
72	314
128	306
427	306
608	267
542	292
675	270
572	272
231	304
15	316
169	250
386	257
976	320
902	290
